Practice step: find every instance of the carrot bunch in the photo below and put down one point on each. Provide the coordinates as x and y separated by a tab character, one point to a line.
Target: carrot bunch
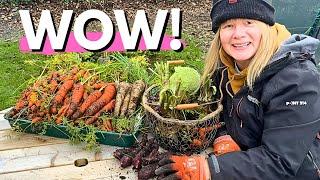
75	95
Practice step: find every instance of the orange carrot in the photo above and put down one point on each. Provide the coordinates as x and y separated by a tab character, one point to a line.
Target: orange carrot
55	74
108	125
36	119
77	94
20	104
107	96
187	106
79	74
94	96
99	85
175	62
196	142
74	70
62	113
53	85
32	99
107	108
62	92
85	95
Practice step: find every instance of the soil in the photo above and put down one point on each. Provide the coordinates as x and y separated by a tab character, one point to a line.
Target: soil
195	14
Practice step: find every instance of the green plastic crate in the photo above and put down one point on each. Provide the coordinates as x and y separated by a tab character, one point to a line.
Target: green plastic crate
60	131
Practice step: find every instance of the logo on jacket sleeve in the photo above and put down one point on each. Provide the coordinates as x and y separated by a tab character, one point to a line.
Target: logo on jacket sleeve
296	103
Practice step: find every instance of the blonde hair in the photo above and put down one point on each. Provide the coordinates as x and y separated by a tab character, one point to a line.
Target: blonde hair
258	62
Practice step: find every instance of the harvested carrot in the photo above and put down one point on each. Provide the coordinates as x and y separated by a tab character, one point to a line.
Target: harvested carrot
108	125
41	114
125	103
197	142
79	74
74	70
99	85
62	92
55	74
59	120
136	93
107	108
77	94
20	104
94	96
175	62
36	119
187	106
33	108
38	103
122	89
107	96
66	100
85	95
32	99
63	110
53	85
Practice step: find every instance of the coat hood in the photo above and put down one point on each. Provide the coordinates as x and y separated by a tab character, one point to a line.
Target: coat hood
297	45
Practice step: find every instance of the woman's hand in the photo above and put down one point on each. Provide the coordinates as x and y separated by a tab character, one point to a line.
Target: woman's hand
224	144
183	167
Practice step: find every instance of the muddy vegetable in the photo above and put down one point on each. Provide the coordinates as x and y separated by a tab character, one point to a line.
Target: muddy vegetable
125	161
136	93
147	172
122	89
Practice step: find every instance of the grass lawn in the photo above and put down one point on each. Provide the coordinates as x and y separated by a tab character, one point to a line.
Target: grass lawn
18	68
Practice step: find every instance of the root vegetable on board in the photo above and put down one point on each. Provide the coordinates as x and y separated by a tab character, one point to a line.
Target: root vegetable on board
32	98
125	103
122	89
147	172
136	93
77	94
62	92
107	108
107	96
94	96
107	124
53	85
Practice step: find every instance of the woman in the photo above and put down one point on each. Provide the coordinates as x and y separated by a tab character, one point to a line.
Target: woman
271	98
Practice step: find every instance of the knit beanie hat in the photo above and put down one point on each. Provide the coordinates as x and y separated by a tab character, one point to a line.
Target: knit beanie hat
223	10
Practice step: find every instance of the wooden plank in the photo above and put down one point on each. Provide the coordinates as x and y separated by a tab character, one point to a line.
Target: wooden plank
13	140
5	110
49	156
4	125
108	169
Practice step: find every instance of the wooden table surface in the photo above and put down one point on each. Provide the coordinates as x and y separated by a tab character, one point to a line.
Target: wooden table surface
28	156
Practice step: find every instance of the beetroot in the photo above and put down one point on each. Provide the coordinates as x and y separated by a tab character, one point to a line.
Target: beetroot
125	161
147	172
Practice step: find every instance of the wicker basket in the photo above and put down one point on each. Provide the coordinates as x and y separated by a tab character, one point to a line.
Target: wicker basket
182	136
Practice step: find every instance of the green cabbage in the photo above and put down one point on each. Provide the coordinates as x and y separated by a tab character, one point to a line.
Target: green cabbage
185	80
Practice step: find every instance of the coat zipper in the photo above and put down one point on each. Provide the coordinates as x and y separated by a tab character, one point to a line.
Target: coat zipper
238	111
310	156
230	113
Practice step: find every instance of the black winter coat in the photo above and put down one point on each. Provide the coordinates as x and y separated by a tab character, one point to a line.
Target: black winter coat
275	124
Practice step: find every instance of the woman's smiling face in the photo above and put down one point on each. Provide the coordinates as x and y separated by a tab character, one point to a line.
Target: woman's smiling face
240	39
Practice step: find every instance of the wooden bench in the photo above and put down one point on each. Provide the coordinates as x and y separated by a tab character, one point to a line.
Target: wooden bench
28	156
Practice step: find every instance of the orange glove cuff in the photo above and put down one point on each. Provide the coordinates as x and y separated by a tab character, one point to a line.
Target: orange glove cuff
224	144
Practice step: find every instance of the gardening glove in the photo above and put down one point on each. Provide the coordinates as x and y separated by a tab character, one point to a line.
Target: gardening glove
224	144
183	167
